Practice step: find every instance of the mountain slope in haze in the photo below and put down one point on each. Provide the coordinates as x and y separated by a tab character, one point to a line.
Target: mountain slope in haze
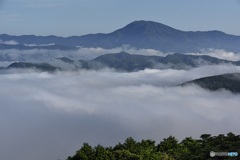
128	62
229	82
37	66
139	34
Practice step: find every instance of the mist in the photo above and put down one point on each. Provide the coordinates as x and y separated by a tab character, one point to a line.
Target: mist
9	42
219	53
49	116
43	55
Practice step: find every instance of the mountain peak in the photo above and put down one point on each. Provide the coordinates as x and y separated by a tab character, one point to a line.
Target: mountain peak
146	29
146	23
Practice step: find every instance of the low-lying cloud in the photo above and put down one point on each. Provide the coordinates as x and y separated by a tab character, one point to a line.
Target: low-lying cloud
42	55
12	42
221	54
49	116
39	45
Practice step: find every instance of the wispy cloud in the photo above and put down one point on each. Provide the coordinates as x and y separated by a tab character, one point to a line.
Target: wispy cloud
83	53
36	55
11	42
221	54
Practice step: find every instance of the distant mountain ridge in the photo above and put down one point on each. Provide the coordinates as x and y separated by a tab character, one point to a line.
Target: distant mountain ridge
129	63
37	66
139	34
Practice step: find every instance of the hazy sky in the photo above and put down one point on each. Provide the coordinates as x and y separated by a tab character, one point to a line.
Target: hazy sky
78	17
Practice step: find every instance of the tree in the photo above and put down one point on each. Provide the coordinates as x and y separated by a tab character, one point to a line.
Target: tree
169	146
85	153
103	154
125	155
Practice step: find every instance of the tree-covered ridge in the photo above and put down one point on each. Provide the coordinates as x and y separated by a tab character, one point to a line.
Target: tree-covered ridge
38	66
168	149
229	82
128	62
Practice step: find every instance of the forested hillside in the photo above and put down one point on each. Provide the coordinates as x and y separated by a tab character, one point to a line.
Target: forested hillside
168	149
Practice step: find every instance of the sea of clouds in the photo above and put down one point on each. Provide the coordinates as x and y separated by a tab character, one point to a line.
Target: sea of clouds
49	116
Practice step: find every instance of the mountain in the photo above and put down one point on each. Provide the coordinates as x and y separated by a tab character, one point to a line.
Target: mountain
66	60
229	82
194	60
129	62
139	34
38	66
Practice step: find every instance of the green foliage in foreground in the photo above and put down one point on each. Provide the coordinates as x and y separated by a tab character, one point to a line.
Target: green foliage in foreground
168	149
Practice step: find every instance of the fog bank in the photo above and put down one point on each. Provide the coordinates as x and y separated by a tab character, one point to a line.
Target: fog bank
49	116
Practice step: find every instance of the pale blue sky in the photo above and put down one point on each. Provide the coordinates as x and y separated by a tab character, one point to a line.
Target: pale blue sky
78	17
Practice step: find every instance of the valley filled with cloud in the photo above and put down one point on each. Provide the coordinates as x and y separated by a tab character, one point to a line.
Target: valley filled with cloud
50	115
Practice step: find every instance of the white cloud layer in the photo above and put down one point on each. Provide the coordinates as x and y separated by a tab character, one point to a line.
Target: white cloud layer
42	55
221	54
12	42
39	45
49	116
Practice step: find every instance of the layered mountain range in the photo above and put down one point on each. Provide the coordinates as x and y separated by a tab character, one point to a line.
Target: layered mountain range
138	34
125	62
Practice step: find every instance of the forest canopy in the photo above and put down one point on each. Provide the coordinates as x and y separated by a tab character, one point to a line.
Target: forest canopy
168	149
